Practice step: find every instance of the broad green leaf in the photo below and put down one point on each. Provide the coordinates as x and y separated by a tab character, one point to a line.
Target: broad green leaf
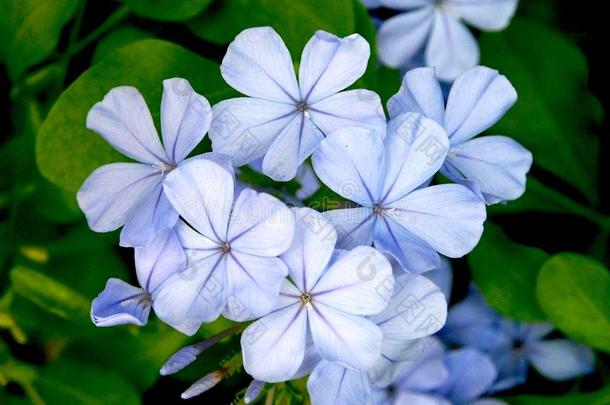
553	115
601	397
295	21
506	274
118	38
574	292
70	382
149	347
168	10
67	152
48	294
30	30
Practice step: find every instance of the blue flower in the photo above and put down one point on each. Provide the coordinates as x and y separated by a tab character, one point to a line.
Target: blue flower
281	119
514	345
388	179
495	165
417	309
231	246
443	378
325	301
435	28
121	303
131	194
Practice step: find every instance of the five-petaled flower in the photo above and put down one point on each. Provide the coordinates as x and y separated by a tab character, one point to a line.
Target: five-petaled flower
387	178
283	120
231	247
434	28
131	194
417	309
121	303
494	166
326	300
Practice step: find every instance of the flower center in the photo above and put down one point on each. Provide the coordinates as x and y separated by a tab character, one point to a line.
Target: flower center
378	210
225	247
306	299
164	168
302	106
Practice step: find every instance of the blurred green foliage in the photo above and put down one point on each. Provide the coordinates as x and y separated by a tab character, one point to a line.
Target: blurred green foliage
61	56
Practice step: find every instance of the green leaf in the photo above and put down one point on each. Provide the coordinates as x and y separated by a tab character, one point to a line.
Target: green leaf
601	397
506	274
30	31
168	10
295	21
149	347
48	294
69	382
67	152
118	38
574	292
555	110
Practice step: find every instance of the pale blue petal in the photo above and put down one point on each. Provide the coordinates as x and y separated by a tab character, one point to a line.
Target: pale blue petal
244	128
274	346
472	322
417	309
290	149
512	368
120	304
360	108
451	49
309	182
477	100
185	118
151	216
360	282
354	226
196	295
561	359
160	260
254	389
421	93
471	374
394	359
312	247
351	340
449	217
413	254
415	149
330	64
260	225
442	277
351	163
124	121
412	398
403	36
191	239
258	64
253	285
536	331
428	372
484	14
331	383
497	164
111	193
202	193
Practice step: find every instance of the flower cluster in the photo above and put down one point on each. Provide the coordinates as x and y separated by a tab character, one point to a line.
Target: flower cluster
337	295
432	33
